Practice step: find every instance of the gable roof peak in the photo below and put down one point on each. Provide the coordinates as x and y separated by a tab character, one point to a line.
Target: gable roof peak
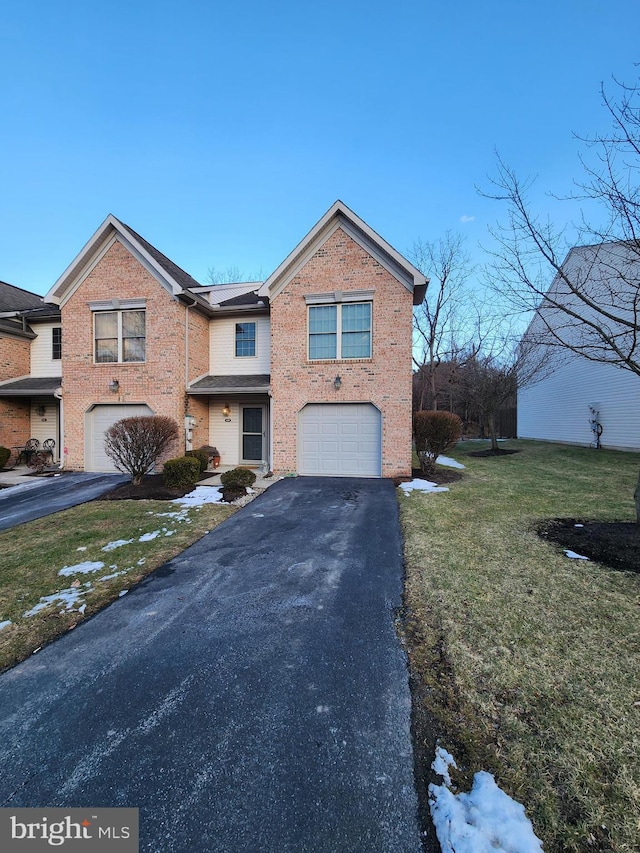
168	273
340	215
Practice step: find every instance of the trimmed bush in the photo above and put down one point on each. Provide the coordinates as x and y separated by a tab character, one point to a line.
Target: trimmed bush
135	444
202	456
238	478
435	433
5	453
181	473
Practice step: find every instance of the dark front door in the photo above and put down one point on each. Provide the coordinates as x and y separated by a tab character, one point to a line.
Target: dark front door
252	433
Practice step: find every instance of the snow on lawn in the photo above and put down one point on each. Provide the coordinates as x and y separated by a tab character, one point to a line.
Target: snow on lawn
69	597
422	486
448	462
199	496
111	546
486	820
147	537
81	568
5	624
573	556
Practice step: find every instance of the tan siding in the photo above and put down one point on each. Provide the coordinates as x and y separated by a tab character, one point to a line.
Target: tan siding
223	361
44	426
225	436
42	364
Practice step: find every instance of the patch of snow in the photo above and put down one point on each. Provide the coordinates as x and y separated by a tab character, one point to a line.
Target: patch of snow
168	532
69	597
81	568
5	624
114	575
199	496
147	537
180	515
573	556
448	462
578	525
122	592
141	561
118	543
82	548
486	820
422	486
441	764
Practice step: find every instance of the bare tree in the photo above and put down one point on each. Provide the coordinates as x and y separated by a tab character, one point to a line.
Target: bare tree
592	306
231	275
441	321
135	444
490	378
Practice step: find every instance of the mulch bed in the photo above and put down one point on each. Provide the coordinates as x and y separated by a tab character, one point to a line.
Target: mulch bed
441	476
614	544
150	489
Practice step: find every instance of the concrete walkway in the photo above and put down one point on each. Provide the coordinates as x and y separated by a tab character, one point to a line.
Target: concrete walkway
251	695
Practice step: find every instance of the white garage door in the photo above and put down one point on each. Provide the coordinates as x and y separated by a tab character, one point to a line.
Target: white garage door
99	419
340	440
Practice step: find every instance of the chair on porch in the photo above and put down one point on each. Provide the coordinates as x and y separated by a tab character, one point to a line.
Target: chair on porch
30	447
48	447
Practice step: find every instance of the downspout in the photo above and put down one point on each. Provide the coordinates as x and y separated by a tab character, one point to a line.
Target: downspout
270	459
58	395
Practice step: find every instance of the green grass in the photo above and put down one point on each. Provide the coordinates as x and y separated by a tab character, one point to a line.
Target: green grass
529	660
34	554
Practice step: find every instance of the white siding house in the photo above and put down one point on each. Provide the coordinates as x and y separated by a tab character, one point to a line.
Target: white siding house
561	406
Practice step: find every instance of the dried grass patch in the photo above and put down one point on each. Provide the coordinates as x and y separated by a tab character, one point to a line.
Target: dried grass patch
530	659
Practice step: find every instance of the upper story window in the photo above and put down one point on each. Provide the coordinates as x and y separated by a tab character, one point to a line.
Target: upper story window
245	339
56	343
340	331
120	336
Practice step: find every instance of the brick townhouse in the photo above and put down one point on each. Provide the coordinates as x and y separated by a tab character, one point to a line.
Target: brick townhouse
308	372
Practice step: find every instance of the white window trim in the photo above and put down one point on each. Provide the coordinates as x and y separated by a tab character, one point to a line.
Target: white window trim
119	312
243	357
339	332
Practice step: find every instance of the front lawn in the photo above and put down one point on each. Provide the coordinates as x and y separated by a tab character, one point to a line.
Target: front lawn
528	660
65	567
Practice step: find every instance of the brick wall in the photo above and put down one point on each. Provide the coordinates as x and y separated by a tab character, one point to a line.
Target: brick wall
198	366
159	381
384	380
15	416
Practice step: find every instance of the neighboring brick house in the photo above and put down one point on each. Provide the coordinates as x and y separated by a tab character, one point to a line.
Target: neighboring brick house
30	368
307	372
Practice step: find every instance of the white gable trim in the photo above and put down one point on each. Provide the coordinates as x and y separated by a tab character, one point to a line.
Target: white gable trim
94	250
340	216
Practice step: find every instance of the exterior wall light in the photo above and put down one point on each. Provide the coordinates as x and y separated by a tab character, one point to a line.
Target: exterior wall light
337	383
226	411
41	411
114	386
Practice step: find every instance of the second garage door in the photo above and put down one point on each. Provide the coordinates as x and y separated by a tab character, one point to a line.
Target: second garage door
99	419
340	440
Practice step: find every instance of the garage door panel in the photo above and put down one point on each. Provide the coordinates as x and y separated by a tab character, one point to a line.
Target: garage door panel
340	440
99	419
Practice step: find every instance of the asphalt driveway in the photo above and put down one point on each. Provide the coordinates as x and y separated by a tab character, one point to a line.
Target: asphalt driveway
44	496
250	695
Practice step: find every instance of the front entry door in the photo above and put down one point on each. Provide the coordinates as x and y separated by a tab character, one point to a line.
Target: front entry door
252	433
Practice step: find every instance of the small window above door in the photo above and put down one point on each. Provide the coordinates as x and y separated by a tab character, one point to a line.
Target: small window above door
245	340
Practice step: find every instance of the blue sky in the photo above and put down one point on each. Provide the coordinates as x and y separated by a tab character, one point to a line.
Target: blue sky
222	132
